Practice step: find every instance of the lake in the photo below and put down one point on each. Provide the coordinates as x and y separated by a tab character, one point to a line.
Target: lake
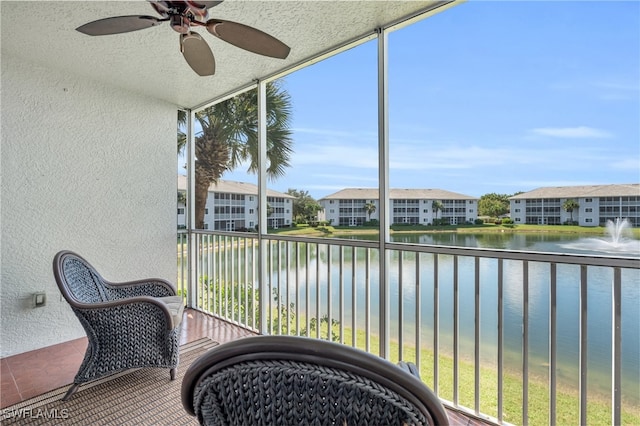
568	307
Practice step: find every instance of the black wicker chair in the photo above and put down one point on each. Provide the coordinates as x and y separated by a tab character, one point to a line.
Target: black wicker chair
129	325
288	380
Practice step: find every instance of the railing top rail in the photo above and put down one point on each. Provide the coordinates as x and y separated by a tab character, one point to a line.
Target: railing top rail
558	258
565	258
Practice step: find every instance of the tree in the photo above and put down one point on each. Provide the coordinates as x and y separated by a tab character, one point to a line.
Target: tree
370	208
436	206
305	207
182	136
229	138
569	206
493	205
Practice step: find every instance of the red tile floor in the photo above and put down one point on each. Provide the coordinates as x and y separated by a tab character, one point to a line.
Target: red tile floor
33	373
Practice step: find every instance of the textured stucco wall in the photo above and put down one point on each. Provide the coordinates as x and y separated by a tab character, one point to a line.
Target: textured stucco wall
84	167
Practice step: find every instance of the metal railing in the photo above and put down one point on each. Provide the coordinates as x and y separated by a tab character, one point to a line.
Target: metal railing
512	337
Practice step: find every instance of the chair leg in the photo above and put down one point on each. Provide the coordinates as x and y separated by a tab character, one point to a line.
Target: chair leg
172	373
71	391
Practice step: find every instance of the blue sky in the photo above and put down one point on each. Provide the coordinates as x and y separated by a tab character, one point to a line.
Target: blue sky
488	96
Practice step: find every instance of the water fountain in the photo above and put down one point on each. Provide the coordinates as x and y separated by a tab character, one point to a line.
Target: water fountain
619	240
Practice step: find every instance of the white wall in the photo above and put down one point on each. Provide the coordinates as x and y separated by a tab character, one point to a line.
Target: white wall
87	168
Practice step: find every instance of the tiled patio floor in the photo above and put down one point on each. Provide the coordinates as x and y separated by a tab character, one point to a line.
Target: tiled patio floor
33	373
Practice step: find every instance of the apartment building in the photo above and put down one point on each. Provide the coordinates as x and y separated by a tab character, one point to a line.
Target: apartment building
596	205
408	206
233	206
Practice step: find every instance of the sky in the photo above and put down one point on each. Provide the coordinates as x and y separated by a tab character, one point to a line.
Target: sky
487	96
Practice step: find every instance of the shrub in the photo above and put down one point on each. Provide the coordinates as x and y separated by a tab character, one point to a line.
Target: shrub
479	222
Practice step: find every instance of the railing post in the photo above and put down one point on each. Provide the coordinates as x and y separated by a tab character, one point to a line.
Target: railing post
583	345
616	348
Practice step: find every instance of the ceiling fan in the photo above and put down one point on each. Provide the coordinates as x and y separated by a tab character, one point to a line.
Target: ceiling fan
183	15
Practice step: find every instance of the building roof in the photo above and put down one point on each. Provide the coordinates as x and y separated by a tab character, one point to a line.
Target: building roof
232	187
397	194
582	191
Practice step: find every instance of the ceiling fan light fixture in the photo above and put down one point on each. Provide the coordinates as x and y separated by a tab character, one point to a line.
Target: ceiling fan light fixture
180	24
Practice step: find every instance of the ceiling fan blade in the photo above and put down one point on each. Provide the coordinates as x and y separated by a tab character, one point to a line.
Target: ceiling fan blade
197	53
118	25
248	38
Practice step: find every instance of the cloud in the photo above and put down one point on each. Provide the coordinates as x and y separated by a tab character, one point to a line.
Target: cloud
580	132
333	133
545	183
343	177
331	188
337	155
632	164
407	157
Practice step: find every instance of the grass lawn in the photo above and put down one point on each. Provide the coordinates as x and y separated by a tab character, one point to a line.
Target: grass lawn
567	407
336	231
567	403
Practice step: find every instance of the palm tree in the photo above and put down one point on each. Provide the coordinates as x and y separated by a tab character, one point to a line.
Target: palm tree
229	138
370	208
436	206
569	206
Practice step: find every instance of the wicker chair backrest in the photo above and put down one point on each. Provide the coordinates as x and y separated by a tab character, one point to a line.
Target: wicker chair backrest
284	392
83	282
264	380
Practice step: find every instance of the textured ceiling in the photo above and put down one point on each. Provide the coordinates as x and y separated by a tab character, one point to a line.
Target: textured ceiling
149	61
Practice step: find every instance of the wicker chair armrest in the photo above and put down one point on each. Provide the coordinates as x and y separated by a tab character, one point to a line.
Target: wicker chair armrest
155	287
132	303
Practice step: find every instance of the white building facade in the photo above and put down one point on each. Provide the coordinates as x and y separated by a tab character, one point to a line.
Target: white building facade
233	206
408	206
597	204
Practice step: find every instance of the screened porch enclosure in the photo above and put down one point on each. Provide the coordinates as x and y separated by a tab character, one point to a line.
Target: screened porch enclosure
507	336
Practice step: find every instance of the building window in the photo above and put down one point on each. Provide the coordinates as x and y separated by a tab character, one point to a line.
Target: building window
517	210
180	210
517	219
470	210
206	211
517	201
588	210
250	211
425	211
588	220
588	200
